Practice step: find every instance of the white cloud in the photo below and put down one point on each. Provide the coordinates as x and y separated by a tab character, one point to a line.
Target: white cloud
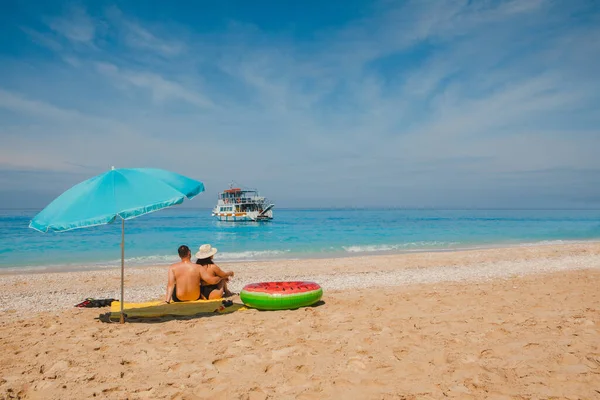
19	104
42	39
76	25
162	89
140	38
521	6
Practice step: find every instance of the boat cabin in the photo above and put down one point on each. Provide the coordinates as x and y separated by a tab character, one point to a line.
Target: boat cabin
236	204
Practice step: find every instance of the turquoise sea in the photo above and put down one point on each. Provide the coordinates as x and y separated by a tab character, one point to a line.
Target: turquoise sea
153	239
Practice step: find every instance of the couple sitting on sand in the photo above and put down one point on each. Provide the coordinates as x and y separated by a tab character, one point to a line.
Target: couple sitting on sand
203	280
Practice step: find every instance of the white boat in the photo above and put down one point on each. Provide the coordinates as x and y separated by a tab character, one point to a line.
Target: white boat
236	204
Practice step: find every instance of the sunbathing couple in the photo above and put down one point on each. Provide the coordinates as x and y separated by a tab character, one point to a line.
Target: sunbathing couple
203	280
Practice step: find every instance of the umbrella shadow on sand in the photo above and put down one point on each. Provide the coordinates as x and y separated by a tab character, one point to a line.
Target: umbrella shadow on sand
162	313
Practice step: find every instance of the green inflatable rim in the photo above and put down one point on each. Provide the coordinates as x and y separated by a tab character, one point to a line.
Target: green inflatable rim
267	301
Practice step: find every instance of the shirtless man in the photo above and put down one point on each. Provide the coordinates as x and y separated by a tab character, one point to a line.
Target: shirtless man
184	278
214	279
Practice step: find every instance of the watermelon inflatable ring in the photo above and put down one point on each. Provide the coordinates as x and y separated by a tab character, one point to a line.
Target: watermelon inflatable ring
281	295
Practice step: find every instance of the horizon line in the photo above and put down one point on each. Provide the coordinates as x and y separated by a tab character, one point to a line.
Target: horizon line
357	208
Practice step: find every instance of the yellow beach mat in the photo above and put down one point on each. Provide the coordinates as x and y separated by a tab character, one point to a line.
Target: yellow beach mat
154	309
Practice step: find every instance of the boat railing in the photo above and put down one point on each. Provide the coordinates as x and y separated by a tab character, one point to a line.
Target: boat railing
239	200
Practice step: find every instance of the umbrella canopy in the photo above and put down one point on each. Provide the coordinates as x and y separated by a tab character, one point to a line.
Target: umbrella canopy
124	193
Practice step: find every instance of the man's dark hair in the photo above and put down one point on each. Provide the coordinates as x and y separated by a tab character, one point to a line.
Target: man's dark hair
183	251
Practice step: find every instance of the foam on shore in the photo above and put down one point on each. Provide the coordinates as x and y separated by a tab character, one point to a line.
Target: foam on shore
283	255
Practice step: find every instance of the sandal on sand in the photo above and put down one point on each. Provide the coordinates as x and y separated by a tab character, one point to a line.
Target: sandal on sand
84	303
227	303
94	303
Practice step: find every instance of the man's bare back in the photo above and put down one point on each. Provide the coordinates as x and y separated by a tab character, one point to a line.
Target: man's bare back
184	279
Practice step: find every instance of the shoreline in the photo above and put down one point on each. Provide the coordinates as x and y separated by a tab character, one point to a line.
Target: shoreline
105	266
58	291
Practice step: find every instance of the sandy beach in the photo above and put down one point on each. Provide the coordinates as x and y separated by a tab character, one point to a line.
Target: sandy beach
520	322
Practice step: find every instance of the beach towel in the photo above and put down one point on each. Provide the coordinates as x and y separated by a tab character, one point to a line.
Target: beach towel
156	309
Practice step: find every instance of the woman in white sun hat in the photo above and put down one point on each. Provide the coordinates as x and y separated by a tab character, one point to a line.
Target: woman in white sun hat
214	279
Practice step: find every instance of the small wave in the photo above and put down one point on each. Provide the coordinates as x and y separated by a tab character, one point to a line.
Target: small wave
146	261
221	256
157	259
396	247
250	255
142	260
553	242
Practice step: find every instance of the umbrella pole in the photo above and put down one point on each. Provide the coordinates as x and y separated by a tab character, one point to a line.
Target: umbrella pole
122	320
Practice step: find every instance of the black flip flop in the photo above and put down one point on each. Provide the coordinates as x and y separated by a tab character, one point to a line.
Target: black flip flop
227	303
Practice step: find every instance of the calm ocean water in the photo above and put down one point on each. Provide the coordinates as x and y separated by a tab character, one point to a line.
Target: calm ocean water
154	238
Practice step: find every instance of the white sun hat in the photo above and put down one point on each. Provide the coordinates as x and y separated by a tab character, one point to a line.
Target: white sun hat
205	251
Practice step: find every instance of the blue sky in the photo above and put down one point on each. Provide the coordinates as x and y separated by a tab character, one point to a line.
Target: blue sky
354	103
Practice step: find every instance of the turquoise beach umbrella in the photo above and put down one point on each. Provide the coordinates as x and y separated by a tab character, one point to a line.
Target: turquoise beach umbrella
118	193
